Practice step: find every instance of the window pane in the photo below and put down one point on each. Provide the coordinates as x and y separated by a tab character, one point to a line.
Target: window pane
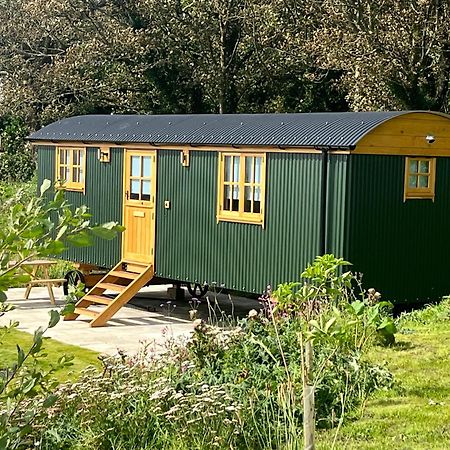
146	166
81	158
62	156
145	190
67	175
257	194
424	166
412	166
236	162
235	202
62	172
423	181
412	181
81	175
248	199
76	157
227	164
227	198
135	189
258	169
256	207
75	175
135	166
249	169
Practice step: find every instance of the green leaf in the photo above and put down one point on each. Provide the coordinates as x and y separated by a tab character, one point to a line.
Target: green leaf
45	186
357	307
29	385
329	324
54	248
81	239
54	318
20	355
49	401
69	308
103	233
61	232
387	326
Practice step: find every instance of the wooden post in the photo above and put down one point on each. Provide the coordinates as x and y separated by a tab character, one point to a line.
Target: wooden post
308	398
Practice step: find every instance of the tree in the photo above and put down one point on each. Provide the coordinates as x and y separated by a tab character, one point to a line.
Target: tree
393	54
17	162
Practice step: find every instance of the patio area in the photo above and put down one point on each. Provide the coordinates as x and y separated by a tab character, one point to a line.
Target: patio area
150	318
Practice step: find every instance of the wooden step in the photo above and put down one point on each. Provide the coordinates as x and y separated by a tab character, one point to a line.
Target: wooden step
86	312
98	299
123	274
111	287
136	268
141	276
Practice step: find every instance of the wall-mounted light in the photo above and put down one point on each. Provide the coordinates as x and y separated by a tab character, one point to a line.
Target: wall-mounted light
430	139
185	158
104	154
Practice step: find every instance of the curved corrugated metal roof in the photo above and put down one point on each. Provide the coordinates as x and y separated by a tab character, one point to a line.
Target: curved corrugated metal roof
337	130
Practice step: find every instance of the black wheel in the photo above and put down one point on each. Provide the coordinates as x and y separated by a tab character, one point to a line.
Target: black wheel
197	290
73	277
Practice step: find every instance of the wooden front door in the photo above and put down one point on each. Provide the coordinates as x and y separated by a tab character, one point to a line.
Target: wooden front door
139	206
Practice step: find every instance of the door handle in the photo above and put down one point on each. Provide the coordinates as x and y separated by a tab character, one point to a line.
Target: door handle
127	194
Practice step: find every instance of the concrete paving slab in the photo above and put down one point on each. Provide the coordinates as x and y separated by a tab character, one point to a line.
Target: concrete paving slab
127	331
150	318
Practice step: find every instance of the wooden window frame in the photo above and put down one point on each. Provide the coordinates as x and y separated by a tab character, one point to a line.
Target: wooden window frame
241	216
70	185
140	178
411	193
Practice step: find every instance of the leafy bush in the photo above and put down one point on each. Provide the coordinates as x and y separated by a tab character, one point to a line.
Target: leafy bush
430	315
28	232
17	162
234	387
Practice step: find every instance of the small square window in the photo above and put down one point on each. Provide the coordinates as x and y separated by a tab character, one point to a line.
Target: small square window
70	168
419	178
241	187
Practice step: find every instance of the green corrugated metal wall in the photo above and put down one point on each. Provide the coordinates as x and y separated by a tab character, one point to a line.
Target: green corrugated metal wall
336	203
402	248
103	197
192	246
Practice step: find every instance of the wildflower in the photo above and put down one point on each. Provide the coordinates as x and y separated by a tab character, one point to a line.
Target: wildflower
252	313
197	323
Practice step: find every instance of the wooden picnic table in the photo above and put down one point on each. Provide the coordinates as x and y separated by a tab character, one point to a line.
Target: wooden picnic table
32	268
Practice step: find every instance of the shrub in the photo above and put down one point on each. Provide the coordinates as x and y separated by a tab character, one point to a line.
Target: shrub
235	387
17	162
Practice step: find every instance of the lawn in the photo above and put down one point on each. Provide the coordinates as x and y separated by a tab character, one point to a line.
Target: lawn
415	413
54	350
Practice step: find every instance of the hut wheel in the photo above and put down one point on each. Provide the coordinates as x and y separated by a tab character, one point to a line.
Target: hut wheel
73	277
197	290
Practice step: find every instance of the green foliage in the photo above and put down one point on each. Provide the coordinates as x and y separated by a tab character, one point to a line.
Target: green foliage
431	315
17	162
240	386
40	228
414	414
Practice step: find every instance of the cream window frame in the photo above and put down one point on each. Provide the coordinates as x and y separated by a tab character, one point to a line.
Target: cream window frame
71	185
420	192
241	216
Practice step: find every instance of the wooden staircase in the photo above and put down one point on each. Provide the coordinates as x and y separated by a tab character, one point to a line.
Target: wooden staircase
126	279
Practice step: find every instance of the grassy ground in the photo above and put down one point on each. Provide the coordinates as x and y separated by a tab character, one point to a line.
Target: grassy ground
415	414
54	350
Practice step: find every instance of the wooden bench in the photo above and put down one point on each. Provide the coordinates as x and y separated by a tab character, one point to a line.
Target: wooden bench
32	267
